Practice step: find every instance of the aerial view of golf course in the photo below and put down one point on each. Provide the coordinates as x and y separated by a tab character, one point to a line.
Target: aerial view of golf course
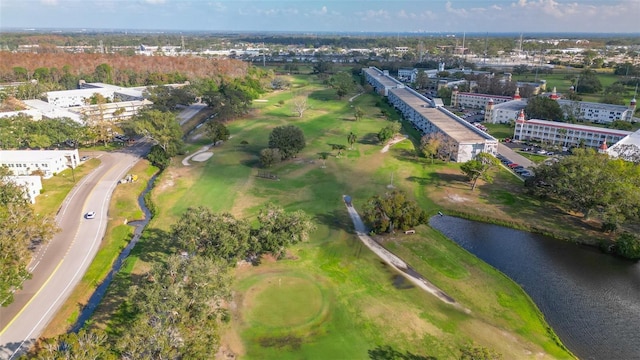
329	296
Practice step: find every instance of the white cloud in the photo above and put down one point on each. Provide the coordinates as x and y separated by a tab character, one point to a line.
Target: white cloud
154	2
217	6
374	15
321	12
49	2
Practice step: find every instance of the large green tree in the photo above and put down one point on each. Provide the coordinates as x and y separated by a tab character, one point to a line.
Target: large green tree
270	157
161	127
288	139
217	131
167	98
199	231
588	82
388	132
543	108
20	229
588	182
480	168
343	83
232	98
391	211
278	229
176	310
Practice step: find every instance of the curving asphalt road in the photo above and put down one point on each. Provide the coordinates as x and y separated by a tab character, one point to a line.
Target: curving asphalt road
58	266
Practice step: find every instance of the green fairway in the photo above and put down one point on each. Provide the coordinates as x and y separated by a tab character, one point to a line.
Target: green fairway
282	302
330	297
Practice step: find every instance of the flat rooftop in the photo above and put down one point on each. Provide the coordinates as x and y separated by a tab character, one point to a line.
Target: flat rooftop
87	93
33	155
593	129
383	79
515	105
444	122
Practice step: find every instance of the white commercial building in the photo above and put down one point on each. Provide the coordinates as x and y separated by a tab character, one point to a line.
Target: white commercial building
80	97
32	185
48	162
50	111
563	134
111	112
429	118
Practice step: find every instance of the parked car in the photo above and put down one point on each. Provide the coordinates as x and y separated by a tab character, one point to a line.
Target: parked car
541	152
84	158
512	165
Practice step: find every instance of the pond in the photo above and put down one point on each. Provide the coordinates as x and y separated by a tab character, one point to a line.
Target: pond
591	300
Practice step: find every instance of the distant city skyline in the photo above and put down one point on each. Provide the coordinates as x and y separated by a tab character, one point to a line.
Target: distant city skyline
496	16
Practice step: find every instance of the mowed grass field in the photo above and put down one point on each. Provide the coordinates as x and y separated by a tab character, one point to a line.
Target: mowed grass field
331	298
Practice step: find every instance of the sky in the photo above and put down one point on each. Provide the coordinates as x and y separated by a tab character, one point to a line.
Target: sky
493	16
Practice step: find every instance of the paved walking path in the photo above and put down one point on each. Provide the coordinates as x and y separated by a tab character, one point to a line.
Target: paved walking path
397	263
185	161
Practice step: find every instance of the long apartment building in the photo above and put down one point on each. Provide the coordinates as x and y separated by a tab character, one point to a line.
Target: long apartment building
564	134
429	118
505	112
478	101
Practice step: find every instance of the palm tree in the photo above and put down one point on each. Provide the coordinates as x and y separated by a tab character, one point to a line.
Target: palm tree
351	138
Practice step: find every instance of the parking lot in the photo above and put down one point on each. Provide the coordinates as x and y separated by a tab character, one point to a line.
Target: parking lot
514	161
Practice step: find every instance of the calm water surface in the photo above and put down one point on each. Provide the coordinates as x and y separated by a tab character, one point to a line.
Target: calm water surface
591	300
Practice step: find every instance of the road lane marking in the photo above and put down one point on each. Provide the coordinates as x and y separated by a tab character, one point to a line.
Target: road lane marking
134	159
32	298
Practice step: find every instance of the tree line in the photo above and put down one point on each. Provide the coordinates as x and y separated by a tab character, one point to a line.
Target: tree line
21	229
593	184
177	308
66	69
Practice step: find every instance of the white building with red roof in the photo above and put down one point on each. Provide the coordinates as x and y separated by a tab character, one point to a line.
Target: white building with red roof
564	134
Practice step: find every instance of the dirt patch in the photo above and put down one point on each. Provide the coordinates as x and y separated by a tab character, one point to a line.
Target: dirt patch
456	198
510	345
204	156
404	320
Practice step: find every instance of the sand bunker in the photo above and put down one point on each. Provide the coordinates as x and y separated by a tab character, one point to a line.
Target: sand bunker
204	156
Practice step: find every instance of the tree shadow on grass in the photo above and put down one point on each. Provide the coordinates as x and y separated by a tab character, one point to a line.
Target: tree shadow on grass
113	308
386	352
154	246
323	95
335	220
369	138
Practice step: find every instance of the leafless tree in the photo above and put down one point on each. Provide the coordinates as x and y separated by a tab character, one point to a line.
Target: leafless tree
300	105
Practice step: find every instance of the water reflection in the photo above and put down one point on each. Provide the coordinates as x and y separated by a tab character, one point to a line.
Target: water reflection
591	300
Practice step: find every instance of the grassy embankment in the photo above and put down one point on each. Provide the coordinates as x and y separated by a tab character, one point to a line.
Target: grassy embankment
331	298
123	206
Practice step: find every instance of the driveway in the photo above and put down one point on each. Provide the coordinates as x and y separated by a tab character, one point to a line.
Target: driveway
515	157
